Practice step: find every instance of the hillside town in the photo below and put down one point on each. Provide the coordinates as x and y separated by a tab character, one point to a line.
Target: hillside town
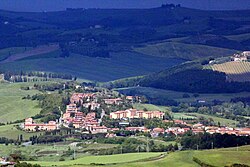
81	115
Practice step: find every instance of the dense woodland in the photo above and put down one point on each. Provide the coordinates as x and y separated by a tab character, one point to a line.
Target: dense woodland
187	77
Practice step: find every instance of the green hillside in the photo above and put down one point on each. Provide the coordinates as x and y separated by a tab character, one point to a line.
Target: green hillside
190	77
169	35
214	157
12	106
120	65
183	51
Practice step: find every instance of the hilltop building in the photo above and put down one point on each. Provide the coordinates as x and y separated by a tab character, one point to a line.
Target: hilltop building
133	113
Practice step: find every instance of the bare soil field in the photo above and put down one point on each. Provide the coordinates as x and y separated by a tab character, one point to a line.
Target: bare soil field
43	49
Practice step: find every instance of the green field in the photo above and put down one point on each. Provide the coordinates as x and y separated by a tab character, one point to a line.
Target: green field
216	157
112	159
11	132
120	65
216	119
223	121
219	158
178	96
52	152
184	51
182	116
12	106
150	107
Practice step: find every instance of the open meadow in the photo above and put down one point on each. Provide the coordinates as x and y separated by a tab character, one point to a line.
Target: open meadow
184	51
150	107
223	121
12	106
214	157
153	93
111	159
120	65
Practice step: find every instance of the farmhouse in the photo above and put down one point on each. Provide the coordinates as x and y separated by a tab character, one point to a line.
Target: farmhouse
133	113
29	125
241	57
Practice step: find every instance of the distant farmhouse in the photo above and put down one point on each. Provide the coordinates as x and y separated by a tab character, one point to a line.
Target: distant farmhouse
241	57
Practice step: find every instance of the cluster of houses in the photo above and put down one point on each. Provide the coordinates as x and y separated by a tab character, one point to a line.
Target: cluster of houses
73	117
241	57
88	122
198	128
134	113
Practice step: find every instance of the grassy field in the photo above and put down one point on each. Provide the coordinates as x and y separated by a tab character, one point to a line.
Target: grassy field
52	152
184	51
178	96
11	132
222	121
216	157
12	106
112	159
150	107
236	71
120	65
182	116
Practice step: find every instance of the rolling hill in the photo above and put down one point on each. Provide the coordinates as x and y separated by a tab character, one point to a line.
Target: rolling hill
215	157
109	44
190	77
183	51
235	71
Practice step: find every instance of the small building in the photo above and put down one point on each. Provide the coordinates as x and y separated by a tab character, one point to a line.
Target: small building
133	113
99	129
92	105
29	125
116	101
71	108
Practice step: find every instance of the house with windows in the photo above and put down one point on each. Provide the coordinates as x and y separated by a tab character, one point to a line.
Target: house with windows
134	113
29	125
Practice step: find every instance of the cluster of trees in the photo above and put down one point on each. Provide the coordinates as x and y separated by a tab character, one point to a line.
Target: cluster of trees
211	141
6	141
29	76
25	164
187	77
234	111
51	105
87	47
44	139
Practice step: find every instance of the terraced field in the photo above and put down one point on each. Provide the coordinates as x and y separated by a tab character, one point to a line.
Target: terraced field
236	71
